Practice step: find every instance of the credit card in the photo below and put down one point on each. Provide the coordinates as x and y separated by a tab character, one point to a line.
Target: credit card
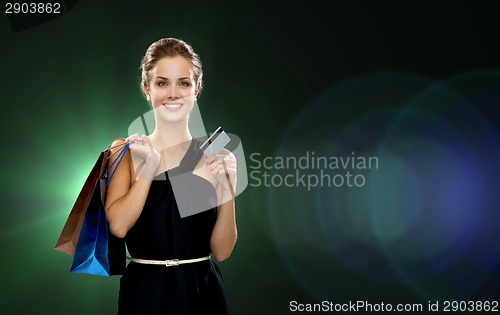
216	142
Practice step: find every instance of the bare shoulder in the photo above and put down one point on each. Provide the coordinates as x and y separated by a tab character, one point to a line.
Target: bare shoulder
117	144
114	151
124	165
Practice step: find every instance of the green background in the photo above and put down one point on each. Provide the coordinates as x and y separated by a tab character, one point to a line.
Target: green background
71	85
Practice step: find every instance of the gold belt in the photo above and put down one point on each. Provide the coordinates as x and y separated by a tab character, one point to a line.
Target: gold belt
168	262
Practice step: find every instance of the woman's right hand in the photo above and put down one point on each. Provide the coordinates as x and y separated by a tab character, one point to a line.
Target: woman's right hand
143	153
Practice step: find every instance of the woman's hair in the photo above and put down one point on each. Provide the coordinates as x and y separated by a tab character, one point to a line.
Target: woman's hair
170	47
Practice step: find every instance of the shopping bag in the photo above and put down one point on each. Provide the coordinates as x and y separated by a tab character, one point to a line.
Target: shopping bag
68	238
97	251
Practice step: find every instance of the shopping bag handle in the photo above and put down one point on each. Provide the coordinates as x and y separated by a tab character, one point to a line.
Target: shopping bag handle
116	146
117	160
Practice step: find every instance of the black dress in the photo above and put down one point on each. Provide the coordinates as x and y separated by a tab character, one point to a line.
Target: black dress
160	234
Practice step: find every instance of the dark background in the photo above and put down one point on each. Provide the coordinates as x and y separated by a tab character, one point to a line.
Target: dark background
345	72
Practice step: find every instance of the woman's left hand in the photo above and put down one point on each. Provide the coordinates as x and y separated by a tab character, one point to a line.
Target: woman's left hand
223	167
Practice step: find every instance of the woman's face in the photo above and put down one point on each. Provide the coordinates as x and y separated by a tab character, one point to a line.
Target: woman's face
172	89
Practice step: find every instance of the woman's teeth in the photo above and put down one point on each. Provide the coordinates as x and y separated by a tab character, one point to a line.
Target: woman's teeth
173	106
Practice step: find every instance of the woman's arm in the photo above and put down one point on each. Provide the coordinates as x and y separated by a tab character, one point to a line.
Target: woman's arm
225	233
127	194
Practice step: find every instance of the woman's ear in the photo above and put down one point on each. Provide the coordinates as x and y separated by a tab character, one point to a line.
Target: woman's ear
146	92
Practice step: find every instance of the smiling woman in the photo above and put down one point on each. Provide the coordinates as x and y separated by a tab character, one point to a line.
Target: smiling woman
171	271
173	88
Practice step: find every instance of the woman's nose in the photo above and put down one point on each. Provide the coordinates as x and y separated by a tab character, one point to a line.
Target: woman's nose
173	91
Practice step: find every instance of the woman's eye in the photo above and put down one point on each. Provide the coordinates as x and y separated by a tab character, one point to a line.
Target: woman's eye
184	84
162	83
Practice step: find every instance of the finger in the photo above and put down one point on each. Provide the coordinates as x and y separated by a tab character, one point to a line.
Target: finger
221	169
213	164
135	139
216	170
231	166
227	160
217	165
222	156
147	142
132	138
227	157
221	172
223	160
209	160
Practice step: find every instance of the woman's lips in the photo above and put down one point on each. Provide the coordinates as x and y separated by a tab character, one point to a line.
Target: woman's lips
173	106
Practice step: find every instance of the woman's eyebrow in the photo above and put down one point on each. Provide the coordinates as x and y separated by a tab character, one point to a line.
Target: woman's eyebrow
164	78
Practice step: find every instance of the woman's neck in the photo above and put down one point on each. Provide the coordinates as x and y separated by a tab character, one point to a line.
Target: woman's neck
167	135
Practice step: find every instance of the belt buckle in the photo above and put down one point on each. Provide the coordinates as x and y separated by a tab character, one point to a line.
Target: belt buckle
172	262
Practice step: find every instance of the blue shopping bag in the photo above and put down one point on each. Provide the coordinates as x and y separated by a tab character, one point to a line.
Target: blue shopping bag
98	252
